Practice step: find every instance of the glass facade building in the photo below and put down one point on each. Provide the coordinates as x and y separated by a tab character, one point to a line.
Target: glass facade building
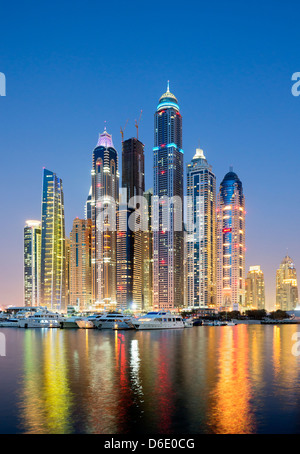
231	243
81	264
286	285
53	258
147	288
201	233
129	242
168	199
255	289
104	206
32	263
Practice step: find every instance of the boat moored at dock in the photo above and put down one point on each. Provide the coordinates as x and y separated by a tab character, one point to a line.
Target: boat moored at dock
159	320
86	322
42	319
114	320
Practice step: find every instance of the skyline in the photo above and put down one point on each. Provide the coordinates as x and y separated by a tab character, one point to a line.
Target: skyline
216	108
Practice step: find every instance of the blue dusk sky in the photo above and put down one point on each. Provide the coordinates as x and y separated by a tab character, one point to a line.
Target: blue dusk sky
71	66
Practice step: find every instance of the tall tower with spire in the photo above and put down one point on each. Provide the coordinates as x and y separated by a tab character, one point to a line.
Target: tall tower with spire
168	198
231	243
104	205
201	233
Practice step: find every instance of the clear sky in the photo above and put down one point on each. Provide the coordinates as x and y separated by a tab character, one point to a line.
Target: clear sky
70	66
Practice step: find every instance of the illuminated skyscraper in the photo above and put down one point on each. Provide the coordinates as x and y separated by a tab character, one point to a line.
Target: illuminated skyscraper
32	263
168	200
129	242
81	264
231	243
67	272
104	205
88	206
201	242
148	255
255	289
286	285
53	243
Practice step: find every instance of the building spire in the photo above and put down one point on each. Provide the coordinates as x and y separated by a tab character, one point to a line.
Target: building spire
168	87
199	154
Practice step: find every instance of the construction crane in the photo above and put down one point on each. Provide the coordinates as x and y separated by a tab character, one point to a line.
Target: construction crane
137	125
122	131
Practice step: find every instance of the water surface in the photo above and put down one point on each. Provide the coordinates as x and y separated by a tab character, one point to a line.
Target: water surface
239	379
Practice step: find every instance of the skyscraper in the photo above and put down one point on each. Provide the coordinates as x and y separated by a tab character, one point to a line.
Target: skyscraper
88	206
201	239
32	263
168	204
129	242
255	289
147	280
231	243
286	285
104	205
81	264
67	272
53	243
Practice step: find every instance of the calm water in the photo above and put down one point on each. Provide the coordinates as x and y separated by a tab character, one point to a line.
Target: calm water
240	379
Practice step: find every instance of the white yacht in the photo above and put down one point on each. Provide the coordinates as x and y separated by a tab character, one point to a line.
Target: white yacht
70	322
43	319
188	323
159	320
9	323
114	320
86	322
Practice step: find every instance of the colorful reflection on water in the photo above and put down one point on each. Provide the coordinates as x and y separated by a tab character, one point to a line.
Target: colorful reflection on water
240	379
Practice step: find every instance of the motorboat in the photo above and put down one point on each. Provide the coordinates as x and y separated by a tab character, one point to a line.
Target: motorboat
188	323
159	320
86	322
70	322
207	323
9	323
231	323
114	320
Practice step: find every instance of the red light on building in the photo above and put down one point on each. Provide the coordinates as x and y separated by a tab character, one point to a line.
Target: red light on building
228	230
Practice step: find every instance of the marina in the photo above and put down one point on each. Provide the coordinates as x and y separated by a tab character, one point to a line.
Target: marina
40	317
